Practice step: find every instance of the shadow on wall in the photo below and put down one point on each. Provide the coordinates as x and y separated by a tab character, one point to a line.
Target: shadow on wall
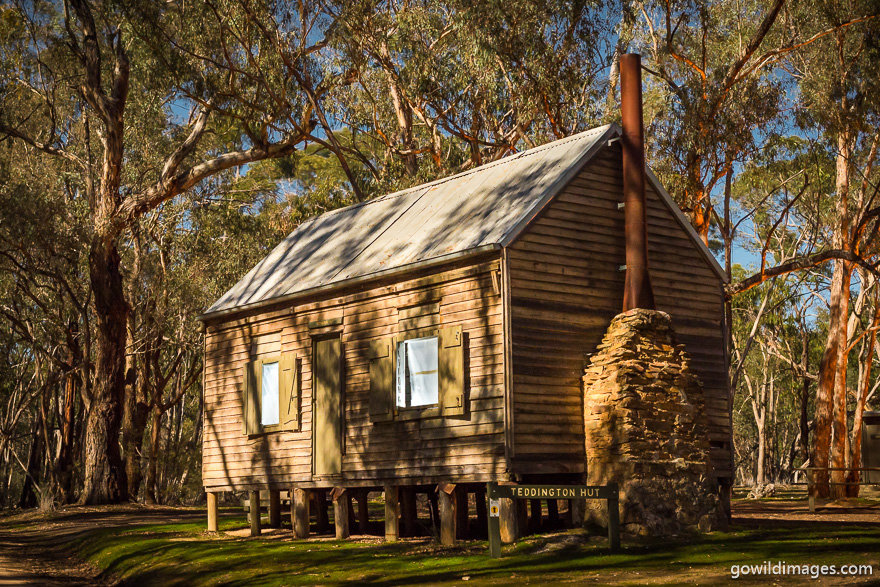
423	223
434	446
244	461
420	224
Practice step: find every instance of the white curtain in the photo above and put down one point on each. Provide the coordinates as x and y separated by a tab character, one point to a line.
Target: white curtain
421	354
270	395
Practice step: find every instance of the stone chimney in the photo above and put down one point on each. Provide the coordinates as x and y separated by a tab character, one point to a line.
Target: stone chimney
644	409
644	418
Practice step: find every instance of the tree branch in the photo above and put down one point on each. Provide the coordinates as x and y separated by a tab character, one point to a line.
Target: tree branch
797	264
90	57
186	148
772	56
137	204
49	149
753	45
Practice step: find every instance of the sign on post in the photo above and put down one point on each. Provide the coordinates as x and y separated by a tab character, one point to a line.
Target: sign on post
609	492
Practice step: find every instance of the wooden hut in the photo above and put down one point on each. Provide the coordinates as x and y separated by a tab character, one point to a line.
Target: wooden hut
438	335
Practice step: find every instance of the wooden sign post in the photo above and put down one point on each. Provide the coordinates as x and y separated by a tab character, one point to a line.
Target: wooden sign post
496	492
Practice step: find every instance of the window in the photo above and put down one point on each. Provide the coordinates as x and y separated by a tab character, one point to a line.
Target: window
417	372
270	394
423	369
269	405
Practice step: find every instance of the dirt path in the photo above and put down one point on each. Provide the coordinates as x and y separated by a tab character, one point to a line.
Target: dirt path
28	558
22	563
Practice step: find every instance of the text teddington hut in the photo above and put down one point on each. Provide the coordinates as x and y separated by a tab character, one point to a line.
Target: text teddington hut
438	335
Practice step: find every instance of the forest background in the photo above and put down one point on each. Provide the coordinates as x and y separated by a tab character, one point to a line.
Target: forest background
152	151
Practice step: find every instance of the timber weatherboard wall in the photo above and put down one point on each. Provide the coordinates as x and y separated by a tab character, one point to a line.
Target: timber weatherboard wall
418	450
567	284
524	255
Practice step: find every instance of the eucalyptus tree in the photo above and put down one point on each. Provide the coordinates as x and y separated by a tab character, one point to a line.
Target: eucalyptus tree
795	223
144	100
712	91
440	87
783	319
839	90
44	306
719	72
182	257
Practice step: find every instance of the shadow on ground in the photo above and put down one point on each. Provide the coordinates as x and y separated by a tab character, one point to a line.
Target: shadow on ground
134	545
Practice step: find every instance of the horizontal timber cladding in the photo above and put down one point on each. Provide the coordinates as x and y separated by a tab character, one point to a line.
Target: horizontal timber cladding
566	285
411	448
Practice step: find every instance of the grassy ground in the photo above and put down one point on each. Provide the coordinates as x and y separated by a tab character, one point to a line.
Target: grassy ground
179	552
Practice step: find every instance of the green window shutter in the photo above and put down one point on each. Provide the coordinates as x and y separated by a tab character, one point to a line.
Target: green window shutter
288	392
381	355
451	366
251	397
245	393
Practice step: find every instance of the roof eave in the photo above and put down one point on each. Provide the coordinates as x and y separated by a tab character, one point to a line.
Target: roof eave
441	260
612	131
687	226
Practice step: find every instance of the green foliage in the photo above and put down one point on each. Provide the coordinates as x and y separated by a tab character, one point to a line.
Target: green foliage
701	117
443	86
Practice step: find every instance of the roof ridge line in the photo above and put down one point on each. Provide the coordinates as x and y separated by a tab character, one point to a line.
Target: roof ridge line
479	168
311	255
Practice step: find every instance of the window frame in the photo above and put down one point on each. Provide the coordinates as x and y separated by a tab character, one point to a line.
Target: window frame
416	412
403	348
453	366
267	428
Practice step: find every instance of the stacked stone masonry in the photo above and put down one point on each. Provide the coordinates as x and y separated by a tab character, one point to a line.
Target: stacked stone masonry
645	429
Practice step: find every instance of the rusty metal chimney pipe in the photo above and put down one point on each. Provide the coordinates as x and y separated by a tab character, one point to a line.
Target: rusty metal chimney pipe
637	289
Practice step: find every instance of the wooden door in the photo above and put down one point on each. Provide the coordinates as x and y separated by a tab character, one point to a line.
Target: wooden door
327	453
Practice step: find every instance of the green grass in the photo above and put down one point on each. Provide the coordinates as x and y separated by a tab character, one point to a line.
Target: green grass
184	554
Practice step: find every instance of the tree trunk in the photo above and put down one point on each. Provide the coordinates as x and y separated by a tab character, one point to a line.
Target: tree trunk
104	472
29	497
402	112
828	373
698	201
613	78
4	465
134	422
760	475
136	411
855	461
804	438
831	391
65	453
840	284
153	467
759	411
163	482
134	426
840	430
805	396
853	475
48	463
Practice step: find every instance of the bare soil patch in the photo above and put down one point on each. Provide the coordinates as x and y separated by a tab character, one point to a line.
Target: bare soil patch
797	512
32	543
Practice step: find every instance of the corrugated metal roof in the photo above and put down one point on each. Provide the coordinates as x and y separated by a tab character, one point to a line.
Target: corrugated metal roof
484	207
487	205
